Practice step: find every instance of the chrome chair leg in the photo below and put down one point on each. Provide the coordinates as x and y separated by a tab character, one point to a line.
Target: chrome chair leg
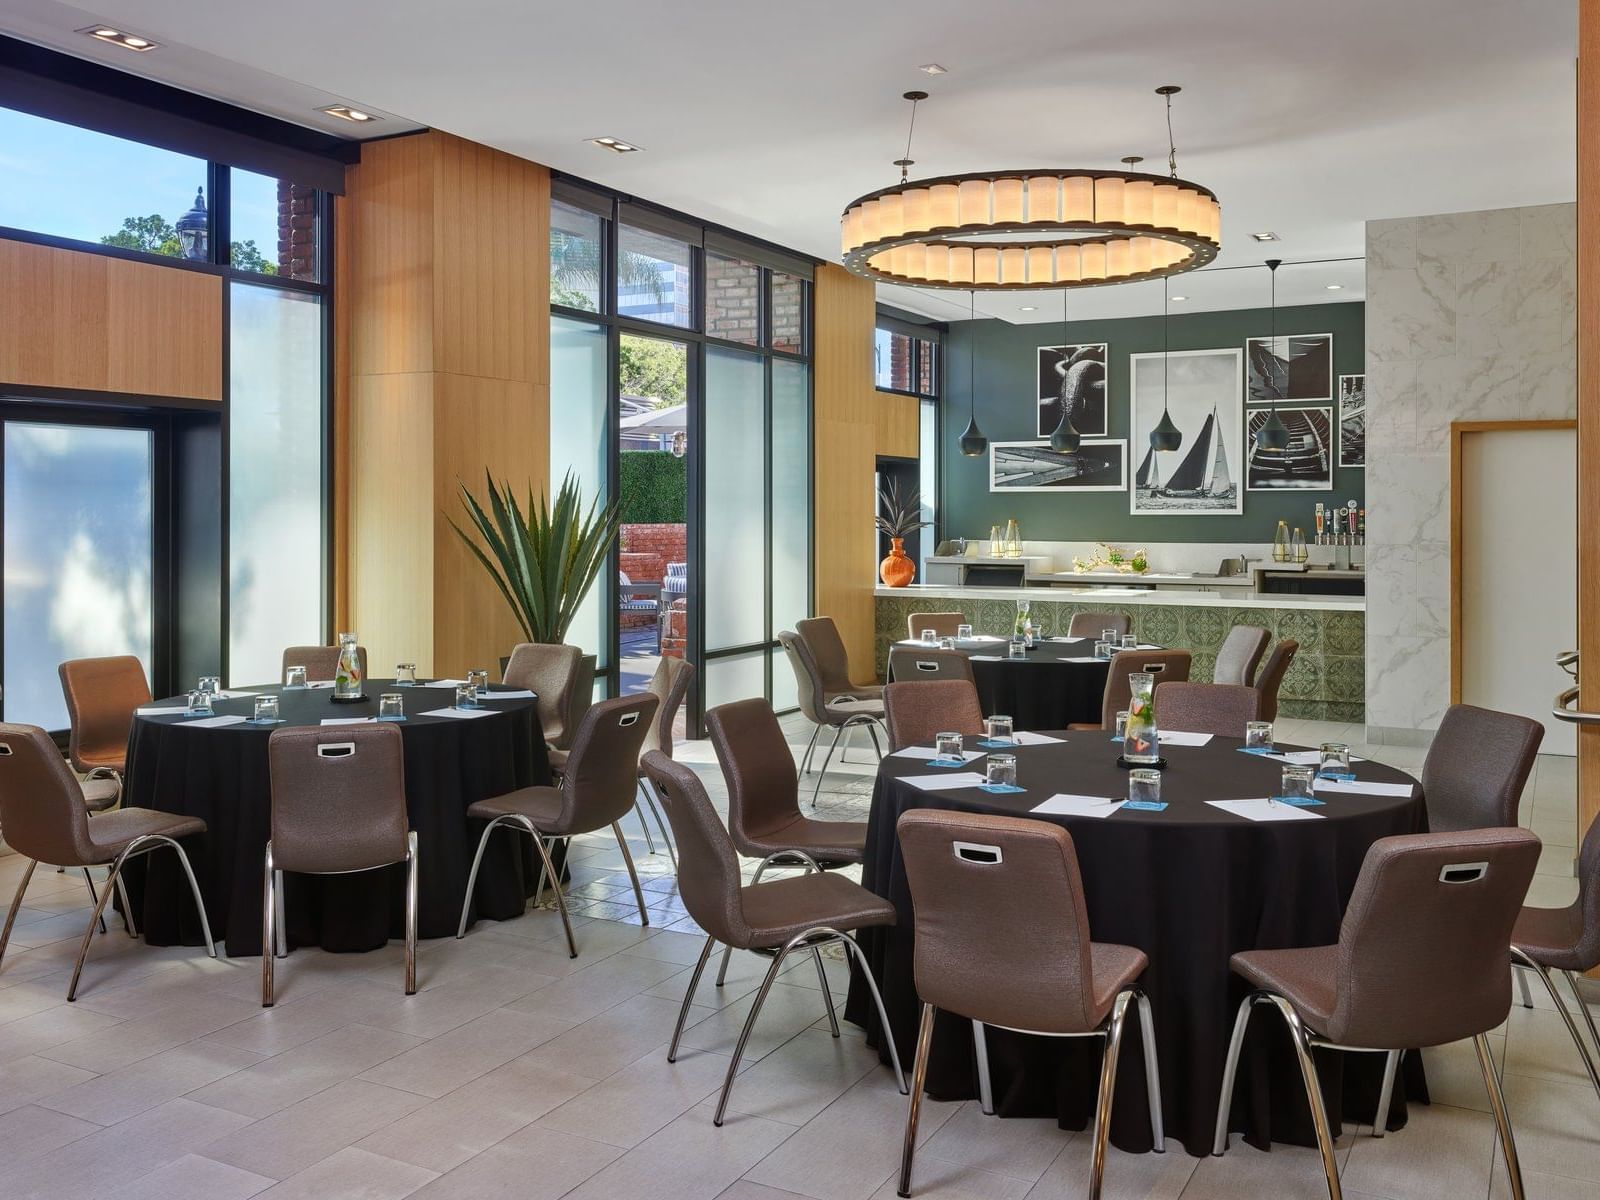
627	858
805	759
411	913
1108	1086
269	931
653	802
1588	1017
744	1033
822	774
281	891
872	732
16	903
919	1078
1230	1067
1152	1074
472	875
644	825
1308	1074
688	996
94	897
127	909
1497	1101
1520	973
1380	1119
827	993
1566	1015
194	890
547	867
980	1050
877	1000
88	934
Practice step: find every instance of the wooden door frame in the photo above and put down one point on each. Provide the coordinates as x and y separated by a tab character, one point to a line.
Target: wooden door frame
1459	430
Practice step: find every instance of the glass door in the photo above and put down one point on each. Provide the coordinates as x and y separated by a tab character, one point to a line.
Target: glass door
80	555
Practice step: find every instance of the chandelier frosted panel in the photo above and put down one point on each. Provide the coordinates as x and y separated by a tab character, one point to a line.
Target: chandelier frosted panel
1032	230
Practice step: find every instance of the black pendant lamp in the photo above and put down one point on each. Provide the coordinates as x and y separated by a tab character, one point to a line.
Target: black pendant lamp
1273	434
973	443
1065	438
1166	435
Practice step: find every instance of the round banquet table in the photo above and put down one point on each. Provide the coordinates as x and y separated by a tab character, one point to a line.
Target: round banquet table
221	775
1189	886
1060	683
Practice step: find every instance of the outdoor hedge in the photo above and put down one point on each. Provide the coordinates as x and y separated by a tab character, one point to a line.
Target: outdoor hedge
654	487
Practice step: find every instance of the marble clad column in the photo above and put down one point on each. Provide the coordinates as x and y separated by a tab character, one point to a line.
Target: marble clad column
1470	317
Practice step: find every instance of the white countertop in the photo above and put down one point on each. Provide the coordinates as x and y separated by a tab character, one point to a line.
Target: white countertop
1102	579
1095	593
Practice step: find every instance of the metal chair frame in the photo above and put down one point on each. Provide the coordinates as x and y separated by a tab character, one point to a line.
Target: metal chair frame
1305	1041
845	729
1519	959
274	939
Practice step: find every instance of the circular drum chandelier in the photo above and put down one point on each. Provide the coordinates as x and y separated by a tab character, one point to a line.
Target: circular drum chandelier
1030	229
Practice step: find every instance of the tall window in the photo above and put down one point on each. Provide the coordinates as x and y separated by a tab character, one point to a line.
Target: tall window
908	359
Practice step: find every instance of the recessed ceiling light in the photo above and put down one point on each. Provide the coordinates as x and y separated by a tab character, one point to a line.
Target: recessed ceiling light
1336	287
1267	236
933	69
345	113
1029	307
128	41
616	145
1177	299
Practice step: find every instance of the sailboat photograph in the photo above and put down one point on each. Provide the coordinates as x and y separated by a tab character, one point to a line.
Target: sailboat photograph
1201	393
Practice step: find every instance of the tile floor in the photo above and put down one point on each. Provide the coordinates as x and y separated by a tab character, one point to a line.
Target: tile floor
517	1072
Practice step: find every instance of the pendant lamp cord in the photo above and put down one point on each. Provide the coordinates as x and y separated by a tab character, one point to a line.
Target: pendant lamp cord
972	360
1272	270
1172	145
1165	344
906	162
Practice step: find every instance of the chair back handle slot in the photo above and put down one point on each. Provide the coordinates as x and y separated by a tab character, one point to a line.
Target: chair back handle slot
973	852
1463	872
336	749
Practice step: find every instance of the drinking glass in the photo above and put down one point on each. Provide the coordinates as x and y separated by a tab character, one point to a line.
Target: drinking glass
998	729
1144	785
391	707
930	637
294	677
1296	783
1122	725
1002	770
1111	637
211	685
479	681
1334	760
266	712
200	704
1258	735
964	633
947	643
1129	642
1102	649
405	675
466	696
947	746
1019	650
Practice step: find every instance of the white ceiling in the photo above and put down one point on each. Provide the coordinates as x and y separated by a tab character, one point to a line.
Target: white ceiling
1305	117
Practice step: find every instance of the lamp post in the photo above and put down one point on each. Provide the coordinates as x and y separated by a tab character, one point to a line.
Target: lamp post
194	229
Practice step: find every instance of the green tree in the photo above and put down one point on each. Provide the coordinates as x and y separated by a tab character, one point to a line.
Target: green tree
246	257
653	369
155	235
575	274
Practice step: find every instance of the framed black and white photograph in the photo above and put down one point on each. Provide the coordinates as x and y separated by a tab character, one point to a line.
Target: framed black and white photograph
1352	420
1199	395
1098	465
1297	367
1306	464
1073	378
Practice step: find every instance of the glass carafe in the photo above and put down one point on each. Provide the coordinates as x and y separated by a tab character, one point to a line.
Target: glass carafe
1280	543
347	677
1298	546
1013	539
1140	741
997	542
1019	631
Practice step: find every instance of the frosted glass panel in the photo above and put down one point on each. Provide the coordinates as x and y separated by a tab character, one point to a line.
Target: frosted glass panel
735	474
785	688
928	478
78	531
737	677
791	494
275	494
578	443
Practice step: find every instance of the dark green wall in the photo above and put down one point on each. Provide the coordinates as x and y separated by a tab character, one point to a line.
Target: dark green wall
1007	368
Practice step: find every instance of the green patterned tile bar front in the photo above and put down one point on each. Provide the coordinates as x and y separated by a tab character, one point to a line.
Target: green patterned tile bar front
1326	681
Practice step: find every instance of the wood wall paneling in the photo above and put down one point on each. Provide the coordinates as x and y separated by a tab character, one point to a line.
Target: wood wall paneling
1588	151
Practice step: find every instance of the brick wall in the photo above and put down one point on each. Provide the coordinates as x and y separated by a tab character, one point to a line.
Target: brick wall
668	543
297	230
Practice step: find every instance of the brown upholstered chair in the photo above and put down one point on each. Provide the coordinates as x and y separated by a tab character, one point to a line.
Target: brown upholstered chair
1420	962
908	663
821	637
338	807
843	716
1089	624
42	814
1476	768
1002	938
101	696
1169	666
1269	680
1219	708
1567	940
551	672
944	624
779	917
320	662
670	685
596	790
1239	655
917	711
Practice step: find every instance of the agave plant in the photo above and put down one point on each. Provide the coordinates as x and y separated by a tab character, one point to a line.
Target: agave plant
898	516
545	561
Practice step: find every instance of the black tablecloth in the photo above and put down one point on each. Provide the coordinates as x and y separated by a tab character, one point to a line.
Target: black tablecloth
221	774
1046	690
1189	886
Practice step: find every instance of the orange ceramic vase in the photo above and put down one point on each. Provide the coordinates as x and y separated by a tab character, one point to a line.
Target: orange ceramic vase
897	570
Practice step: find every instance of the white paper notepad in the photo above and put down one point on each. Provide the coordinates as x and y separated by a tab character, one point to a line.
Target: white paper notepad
156	710
348	720
987	658
463	714
1064	805
1026	737
1262	809
945	783
509	694
929	752
1174	737
1362	787
445	683
217	722
1086	658
1302	758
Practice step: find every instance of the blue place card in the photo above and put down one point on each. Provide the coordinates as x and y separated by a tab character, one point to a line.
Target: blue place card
399	718
1256	750
1146	805
946	762
1116	739
264	720
1299	801
1001	788
998	743
1338	776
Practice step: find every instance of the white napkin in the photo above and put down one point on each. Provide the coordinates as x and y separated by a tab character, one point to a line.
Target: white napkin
943	783
1026	737
512	694
1063	804
1361	787
445	683
159	710
1263	809
462	714
347	720
217	722
1175	737
930	752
